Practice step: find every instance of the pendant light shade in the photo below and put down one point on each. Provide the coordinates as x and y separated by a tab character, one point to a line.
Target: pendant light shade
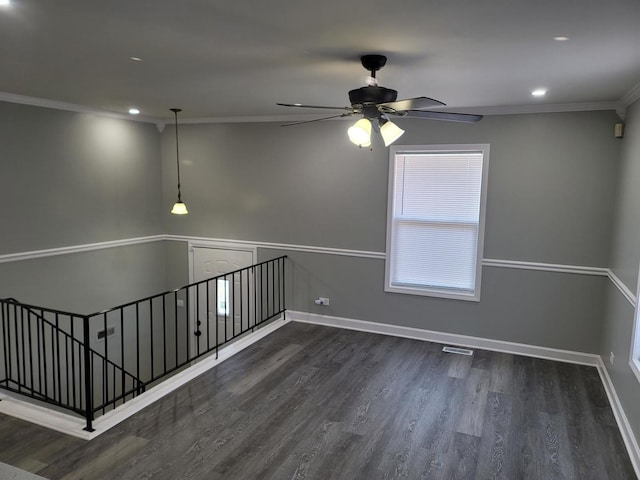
360	133
179	208
390	132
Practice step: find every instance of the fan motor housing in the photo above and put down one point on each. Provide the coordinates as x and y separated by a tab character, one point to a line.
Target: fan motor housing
372	95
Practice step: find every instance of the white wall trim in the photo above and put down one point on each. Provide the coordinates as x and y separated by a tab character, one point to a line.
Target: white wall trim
623	288
232	243
545	267
281	246
447	338
73	425
621	418
49	252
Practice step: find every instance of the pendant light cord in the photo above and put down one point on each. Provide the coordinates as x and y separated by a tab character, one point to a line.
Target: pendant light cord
175	113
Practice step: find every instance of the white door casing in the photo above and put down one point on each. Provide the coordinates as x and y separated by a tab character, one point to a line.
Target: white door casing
223	306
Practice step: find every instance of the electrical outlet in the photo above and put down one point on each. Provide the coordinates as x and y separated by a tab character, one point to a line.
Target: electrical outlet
322	301
180	303
612	357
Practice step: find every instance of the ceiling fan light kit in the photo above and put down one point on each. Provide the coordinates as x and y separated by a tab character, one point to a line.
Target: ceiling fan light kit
377	104
360	133
390	132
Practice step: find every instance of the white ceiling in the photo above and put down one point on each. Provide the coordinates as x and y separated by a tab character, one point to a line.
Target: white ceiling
238	58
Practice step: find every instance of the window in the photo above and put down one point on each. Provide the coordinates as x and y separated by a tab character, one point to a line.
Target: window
435	220
223	297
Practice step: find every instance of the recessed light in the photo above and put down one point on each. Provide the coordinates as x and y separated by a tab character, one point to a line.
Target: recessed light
561	38
539	92
5	3
136	59
134	111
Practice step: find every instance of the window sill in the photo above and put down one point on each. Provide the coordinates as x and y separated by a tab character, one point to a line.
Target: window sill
434	292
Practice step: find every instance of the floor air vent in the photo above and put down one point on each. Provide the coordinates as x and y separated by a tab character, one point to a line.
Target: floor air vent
458	350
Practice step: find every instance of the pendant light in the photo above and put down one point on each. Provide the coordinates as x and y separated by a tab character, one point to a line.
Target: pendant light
179	208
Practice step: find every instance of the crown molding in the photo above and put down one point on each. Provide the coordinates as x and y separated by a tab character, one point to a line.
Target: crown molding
71	107
503	110
629	98
539	108
262	119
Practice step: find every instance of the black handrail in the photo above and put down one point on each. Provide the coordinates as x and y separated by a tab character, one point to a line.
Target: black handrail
164	333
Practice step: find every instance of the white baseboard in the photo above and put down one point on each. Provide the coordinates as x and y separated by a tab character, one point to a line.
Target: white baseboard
621	418
13	406
448	338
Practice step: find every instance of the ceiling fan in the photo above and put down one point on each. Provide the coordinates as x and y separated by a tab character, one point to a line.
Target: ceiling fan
376	104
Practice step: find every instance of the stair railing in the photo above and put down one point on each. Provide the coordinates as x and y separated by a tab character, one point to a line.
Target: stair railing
90	364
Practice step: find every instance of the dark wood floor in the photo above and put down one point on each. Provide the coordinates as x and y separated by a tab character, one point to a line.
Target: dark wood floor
312	402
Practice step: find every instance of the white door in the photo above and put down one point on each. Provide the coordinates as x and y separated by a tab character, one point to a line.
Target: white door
222	306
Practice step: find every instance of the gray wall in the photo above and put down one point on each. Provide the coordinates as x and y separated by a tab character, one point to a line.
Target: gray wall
556	310
87	282
550	199
550	196
618	322
72	178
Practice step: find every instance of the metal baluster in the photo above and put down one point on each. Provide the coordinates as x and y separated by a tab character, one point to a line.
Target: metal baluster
255	298
164	333
175	305
208	311
226	307
88	377
73	359
151	331
44	364
216	316
122	379
105	369
137	344
5	338
197	320
187	337
241	302
59	367
20	356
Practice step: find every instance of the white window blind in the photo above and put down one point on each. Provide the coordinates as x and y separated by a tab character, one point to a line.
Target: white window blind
436	205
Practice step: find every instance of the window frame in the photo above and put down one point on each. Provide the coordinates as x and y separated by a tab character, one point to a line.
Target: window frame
431	291
634	357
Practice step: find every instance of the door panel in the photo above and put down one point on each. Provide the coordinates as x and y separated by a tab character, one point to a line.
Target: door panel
223	307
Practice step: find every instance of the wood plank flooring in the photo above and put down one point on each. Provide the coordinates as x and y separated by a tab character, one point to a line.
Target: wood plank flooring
312	402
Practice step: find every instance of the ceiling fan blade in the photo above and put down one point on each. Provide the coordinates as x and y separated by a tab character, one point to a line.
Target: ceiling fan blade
317	119
299	105
417	103
447	116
